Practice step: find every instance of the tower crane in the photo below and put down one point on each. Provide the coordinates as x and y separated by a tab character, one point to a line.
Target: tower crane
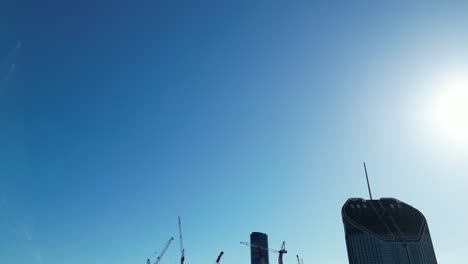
299	261
182	250
280	252
219	257
168	243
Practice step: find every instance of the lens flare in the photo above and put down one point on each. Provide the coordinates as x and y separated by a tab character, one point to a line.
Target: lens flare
450	110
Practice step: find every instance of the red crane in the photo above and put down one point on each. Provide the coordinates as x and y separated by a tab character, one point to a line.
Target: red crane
219	257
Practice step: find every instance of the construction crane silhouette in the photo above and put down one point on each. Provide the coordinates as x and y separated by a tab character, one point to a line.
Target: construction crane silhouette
168	243
219	257
182	250
280	252
299	261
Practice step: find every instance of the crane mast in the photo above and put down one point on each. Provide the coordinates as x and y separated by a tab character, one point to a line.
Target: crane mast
281	252
182	250
168	243
301	261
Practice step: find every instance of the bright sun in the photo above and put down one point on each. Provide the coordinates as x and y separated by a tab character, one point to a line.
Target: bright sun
450	110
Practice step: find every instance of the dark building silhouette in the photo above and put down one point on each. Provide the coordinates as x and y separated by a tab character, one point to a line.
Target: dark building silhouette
386	231
259	248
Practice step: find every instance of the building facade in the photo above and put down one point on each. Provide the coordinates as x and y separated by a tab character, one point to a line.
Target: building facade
386	231
259	248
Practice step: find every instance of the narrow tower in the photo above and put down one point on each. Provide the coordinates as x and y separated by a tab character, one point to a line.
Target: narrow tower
259	248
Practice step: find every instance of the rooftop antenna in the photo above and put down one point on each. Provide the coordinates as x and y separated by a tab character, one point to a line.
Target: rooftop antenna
367	178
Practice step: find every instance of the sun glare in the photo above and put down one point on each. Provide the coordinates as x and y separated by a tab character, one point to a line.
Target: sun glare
450	110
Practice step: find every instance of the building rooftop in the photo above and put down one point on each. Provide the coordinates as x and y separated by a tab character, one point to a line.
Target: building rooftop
387	219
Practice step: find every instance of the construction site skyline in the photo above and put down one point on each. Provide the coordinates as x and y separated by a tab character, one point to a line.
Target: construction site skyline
258	245
116	117
379	231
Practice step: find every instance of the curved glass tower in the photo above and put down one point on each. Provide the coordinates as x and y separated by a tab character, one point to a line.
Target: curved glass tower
386	231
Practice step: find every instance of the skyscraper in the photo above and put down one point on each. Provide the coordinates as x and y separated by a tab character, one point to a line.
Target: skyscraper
386	231
259	248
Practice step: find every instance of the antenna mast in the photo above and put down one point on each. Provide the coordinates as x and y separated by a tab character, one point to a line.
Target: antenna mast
367	178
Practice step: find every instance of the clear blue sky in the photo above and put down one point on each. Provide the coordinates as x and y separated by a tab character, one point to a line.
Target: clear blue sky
237	116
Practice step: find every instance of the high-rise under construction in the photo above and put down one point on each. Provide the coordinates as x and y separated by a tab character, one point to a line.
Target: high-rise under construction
259	248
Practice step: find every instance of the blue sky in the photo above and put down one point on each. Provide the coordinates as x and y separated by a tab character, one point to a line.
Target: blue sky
237	116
